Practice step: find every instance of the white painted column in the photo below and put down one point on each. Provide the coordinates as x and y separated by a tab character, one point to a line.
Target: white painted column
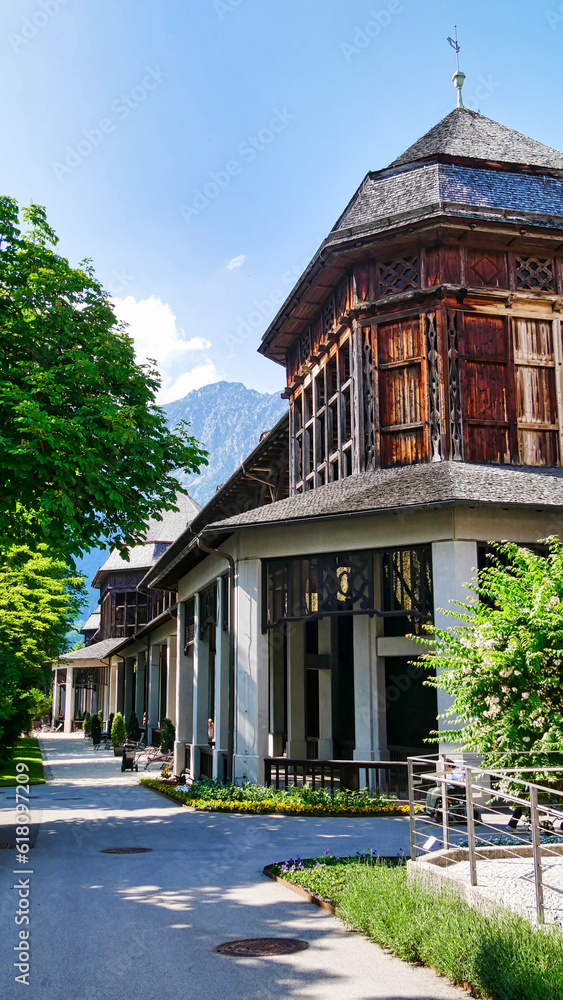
365	681
154	685
453	565
140	686
325	693
221	713
171	678
128	704
55	711
276	643
113	689
69	699
296	736
184	693
251	725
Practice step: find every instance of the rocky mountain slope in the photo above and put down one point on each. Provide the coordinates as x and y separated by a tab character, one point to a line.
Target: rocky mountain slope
229	419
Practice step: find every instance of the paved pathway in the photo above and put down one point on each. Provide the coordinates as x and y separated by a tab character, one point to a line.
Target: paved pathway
143	926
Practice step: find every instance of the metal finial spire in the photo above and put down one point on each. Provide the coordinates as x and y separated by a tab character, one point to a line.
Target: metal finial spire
458	78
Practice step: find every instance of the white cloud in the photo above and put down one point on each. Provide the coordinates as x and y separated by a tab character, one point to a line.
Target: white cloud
156	334
236	262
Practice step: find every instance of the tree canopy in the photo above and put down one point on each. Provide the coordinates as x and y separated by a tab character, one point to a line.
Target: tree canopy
86	457
502	663
39	601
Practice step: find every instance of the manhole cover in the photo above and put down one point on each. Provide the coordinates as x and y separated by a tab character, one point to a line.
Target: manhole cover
126	850
261	947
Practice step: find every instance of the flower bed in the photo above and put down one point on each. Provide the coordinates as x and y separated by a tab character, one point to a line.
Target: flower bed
327	877
213	796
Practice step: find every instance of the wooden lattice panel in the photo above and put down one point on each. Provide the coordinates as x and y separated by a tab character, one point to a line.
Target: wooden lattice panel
398	275
403	395
535	273
536	398
487	391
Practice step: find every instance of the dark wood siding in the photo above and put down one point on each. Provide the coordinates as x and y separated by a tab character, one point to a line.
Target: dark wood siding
487	391
403	392
536	399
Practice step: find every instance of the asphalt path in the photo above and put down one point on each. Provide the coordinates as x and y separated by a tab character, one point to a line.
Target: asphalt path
145	926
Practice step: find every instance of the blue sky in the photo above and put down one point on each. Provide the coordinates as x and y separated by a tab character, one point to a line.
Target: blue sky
198	151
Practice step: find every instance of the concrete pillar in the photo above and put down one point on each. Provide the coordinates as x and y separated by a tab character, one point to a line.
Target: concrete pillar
140	686
325	693
184	693
171	678
55	710
277	649
221	713
69	700
296	735
453	565
128	687
365	687
154	686
112	689
251	671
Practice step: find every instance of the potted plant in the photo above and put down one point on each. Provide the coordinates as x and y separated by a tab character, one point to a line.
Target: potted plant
132	727
167	736
86	724
118	734
96	730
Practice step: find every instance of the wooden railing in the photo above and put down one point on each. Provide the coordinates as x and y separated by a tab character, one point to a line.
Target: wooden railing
385	776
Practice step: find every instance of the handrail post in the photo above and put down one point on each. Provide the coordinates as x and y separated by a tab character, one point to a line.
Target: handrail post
445	826
536	846
411	811
470	815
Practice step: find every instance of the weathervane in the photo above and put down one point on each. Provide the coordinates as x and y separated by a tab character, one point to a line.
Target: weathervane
458	78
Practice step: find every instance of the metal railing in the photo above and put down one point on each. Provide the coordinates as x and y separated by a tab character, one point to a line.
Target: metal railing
382	776
516	817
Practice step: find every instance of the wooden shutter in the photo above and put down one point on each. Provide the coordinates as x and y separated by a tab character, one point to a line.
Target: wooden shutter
403	392
487	391
536	398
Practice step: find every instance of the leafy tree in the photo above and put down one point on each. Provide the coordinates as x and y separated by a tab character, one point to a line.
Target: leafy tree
502	663
86	457
118	731
39	600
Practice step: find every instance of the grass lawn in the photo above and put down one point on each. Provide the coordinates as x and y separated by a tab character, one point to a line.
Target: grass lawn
209	795
27	751
501	957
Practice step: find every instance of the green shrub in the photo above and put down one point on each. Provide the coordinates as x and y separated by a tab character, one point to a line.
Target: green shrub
132	727
95	729
110	722
118	731
167	736
86	723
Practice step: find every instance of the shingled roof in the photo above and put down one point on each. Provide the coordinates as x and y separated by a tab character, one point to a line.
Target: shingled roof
412	486
468	135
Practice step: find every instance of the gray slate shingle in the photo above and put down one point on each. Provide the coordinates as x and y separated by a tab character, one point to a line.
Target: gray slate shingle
413	486
467	134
